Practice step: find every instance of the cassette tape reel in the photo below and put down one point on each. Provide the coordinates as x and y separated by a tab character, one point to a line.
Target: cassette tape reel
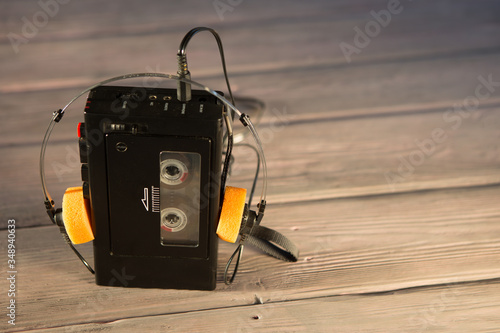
175	170
180	183
173	219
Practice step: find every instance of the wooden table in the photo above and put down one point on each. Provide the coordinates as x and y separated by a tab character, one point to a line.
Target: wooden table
381	133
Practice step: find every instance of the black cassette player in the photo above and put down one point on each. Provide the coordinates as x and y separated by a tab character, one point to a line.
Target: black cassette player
151	167
154	199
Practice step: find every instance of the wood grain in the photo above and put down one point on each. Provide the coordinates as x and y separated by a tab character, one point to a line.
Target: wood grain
448	308
366	155
348	246
342	91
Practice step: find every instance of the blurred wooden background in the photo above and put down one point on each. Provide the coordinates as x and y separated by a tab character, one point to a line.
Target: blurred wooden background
384	165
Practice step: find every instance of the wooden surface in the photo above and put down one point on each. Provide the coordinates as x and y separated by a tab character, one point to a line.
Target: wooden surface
393	237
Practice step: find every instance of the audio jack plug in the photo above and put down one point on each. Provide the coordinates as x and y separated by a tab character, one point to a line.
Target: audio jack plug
183	88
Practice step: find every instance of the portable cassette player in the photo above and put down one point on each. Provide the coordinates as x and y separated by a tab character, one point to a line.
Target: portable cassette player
151	169
153	198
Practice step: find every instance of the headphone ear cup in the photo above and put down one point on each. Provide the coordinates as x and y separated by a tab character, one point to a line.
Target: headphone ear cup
76	216
231	213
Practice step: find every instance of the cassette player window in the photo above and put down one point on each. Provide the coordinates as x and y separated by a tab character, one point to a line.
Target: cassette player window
180	182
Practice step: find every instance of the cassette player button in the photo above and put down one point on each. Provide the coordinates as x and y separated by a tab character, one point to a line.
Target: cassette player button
85	172
82	143
81	130
86	190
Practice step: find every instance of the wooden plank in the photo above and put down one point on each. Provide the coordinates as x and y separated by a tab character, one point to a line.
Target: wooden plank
60	72
449	308
386	245
347	246
79	35
355	91
353	157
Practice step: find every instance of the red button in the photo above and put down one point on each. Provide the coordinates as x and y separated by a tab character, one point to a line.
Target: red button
81	127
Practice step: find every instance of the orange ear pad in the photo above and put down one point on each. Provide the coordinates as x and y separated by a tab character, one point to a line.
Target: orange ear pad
76	216
231	213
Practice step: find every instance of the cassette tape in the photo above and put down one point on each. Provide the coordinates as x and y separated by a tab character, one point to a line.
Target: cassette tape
151	167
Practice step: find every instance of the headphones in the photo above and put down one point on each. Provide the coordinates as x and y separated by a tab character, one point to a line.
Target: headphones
236	218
